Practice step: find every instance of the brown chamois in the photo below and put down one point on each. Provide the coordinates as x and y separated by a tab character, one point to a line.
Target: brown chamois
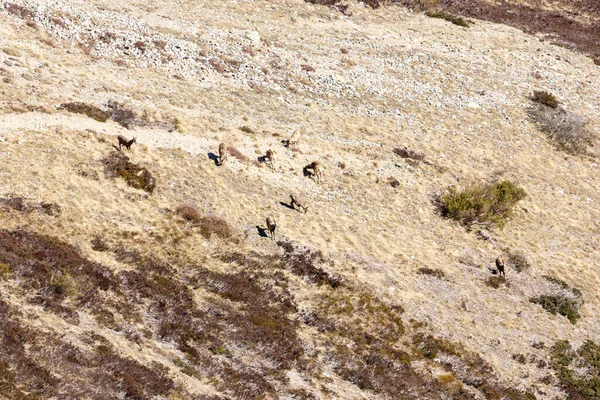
125	142
270	157
222	153
297	203
500	266
271	225
317	170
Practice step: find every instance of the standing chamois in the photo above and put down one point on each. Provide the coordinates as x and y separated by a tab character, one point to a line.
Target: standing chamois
500	266
271	158
222	153
125	142
317	170
271	225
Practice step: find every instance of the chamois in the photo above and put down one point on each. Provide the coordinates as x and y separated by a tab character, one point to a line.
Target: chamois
297	204
222	153
295	139
500	266
271	158
317	170
125	142
271	225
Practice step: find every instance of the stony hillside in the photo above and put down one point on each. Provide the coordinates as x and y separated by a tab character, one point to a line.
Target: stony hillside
148	273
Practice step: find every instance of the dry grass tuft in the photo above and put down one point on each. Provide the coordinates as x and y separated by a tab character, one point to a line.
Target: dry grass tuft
565	129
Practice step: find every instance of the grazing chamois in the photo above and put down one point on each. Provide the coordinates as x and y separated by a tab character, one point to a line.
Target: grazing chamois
295	139
271	158
297	203
271	225
222	153
125	142
500	266
317	170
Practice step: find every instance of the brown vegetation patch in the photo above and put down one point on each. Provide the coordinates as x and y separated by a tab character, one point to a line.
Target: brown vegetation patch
85	109
127	118
20	204
208	224
36	365
582	33
302	262
19	11
118	164
238	154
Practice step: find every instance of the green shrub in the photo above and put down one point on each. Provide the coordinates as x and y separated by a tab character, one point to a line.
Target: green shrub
448	17
545	98
558	304
489	203
562	356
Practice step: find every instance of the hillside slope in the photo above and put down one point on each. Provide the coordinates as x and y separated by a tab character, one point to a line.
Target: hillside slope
111	291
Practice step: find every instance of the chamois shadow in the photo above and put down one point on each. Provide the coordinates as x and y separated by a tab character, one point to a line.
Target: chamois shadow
286	205
262	232
285	142
307	173
262	159
214	157
116	148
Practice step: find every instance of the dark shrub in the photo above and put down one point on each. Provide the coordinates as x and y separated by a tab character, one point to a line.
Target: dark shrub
544	98
438	273
405	152
86	109
189	213
448	17
495	281
118	164
483	203
558	304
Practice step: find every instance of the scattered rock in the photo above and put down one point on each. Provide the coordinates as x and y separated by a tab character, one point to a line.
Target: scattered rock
253	36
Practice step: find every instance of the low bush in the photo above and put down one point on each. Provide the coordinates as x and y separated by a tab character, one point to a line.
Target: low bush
438	273
495	281
559	304
568	364
481	203
211	224
208	224
86	109
118	164
19	11
565	129
545	98
518	260
407	153
448	17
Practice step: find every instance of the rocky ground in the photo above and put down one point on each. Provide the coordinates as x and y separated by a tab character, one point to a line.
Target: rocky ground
170	288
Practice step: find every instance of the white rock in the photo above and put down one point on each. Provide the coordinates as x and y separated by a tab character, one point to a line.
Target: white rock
253	36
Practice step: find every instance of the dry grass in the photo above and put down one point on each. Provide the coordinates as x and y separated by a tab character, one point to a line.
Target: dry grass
253	319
